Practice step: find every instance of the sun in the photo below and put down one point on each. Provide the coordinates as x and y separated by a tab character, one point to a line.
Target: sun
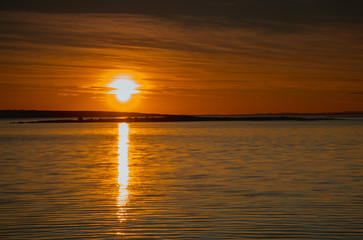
124	88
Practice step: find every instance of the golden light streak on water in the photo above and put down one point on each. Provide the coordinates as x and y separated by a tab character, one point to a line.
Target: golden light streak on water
123	170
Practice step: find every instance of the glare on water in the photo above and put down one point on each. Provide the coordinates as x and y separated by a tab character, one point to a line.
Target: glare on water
123	169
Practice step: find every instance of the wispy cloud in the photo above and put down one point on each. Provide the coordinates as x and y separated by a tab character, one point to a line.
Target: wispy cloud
186	55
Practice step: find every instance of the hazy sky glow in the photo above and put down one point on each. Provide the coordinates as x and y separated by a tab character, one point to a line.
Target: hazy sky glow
191	58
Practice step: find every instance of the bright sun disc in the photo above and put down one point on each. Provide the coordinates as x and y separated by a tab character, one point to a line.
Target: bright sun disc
124	88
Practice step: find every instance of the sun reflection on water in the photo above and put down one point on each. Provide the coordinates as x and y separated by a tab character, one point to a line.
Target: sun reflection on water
123	170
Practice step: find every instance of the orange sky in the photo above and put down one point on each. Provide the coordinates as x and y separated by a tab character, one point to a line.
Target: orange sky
187	63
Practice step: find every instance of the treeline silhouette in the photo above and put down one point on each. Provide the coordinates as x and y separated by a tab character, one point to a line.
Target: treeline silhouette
108	114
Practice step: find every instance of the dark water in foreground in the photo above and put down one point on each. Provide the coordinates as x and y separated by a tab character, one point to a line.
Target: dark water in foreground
202	180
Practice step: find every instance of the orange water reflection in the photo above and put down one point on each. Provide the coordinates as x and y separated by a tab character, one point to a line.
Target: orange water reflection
123	170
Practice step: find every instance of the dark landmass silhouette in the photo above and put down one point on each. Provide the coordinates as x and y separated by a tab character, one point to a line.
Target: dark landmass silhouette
181	118
76	114
100	116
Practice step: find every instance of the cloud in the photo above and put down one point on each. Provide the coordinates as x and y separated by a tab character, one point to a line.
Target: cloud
355	92
206	51
297	11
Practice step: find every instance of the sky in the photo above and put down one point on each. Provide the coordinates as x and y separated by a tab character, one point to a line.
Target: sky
186	57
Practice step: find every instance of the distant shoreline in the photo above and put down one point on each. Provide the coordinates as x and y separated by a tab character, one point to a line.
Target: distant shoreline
181	118
107	114
102	117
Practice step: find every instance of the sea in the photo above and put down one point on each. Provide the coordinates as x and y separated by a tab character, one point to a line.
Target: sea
182	180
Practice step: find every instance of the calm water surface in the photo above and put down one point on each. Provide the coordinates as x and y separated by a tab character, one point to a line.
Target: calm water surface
202	180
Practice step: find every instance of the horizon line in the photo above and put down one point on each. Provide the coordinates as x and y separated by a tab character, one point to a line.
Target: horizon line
357	112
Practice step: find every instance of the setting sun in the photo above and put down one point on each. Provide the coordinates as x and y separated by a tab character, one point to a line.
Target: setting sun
124	88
